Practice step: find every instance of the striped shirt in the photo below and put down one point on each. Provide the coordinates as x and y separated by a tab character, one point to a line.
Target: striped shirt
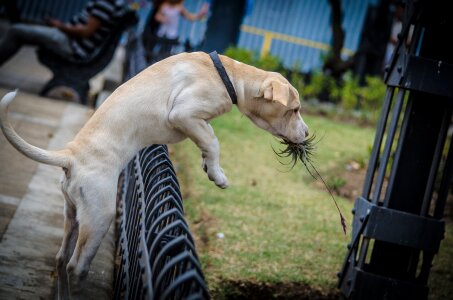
108	12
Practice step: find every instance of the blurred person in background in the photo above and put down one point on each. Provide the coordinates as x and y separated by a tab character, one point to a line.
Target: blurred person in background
168	16
163	25
79	39
397	28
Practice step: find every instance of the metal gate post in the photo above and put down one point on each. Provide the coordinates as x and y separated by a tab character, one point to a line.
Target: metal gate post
398	226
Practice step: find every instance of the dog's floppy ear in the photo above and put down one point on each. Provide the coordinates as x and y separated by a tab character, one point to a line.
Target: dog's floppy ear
275	90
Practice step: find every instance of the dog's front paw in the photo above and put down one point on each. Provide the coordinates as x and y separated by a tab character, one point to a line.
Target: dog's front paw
219	178
223	184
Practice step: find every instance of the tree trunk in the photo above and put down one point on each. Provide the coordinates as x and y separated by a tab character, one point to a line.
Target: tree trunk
334	64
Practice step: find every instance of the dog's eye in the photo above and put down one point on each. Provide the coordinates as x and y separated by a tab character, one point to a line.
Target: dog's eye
296	111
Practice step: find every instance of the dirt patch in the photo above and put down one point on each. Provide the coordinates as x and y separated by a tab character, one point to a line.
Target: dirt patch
203	228
249	290
353	184
347	183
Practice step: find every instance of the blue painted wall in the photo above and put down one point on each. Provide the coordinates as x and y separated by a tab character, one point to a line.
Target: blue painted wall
305	20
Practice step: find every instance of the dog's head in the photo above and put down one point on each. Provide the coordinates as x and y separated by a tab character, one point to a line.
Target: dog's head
276	109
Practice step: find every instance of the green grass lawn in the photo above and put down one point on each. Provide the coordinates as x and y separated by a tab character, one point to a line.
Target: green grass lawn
281	231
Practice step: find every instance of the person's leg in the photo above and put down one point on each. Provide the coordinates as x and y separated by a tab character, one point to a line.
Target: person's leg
43	36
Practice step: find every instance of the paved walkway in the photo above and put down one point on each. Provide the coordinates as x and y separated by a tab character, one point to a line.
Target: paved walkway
31	203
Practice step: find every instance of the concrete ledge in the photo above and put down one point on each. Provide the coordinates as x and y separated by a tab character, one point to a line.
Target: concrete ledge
33	236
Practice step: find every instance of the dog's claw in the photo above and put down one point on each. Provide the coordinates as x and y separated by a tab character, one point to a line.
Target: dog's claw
216	174
223	186
219	179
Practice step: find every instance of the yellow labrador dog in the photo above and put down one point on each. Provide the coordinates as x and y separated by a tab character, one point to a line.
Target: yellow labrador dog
166	103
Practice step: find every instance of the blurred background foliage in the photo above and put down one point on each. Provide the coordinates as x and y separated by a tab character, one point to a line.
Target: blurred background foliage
323	93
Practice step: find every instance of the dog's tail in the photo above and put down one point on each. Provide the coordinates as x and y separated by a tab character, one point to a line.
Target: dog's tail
61	158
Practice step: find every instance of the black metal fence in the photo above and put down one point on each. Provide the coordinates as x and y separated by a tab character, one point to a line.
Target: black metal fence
158	257
398	226
156	251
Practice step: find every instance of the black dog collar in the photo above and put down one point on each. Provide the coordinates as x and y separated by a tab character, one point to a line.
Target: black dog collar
224	76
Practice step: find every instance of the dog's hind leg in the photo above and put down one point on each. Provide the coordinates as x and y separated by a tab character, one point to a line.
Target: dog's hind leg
95	212
67	247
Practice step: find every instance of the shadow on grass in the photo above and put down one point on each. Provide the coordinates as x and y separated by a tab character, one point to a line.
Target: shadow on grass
280	290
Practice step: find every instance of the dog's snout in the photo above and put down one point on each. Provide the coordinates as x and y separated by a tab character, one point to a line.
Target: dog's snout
305	131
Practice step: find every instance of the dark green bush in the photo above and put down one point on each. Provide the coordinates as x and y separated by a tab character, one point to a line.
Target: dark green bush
347	92
297	80
240	54
373	93
268	62
350	92
314	88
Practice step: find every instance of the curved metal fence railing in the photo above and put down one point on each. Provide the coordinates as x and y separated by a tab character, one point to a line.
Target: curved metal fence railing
156	251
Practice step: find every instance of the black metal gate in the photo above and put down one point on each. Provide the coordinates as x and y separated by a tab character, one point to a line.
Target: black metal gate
157	257
398	226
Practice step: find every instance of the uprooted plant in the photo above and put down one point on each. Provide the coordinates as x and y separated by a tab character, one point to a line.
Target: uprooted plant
304	152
